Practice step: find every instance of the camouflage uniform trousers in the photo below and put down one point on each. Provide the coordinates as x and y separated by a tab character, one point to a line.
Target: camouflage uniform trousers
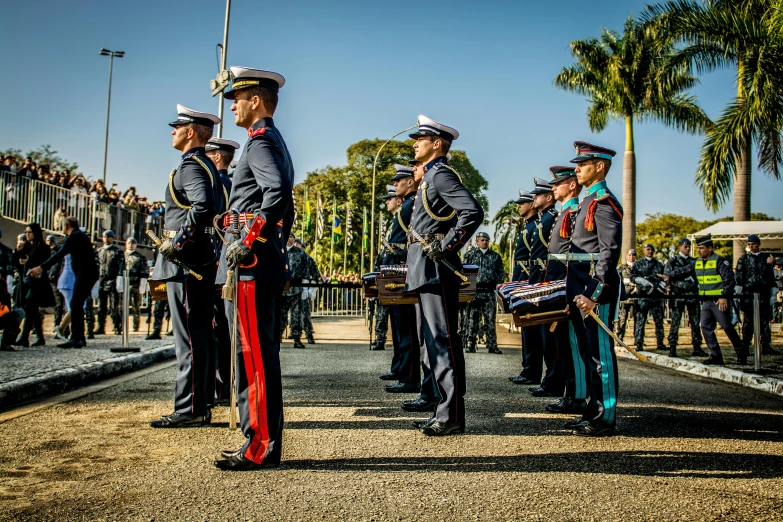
110	303
381	323
297	316
627	309
481	311
134	305
655	308
307	319
285	308
160	310
678	306
765	311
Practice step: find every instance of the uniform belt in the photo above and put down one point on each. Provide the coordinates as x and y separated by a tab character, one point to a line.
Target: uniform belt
539	262
244	219
400	246
429	238
575	257
523	263
171	234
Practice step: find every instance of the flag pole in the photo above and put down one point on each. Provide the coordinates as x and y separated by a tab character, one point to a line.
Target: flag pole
345	236
304	212
331	255
315	236
364	231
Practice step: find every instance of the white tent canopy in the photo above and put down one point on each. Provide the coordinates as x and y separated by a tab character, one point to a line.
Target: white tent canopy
770	233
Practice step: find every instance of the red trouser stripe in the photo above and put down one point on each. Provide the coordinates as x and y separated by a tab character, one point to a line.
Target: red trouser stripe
254	371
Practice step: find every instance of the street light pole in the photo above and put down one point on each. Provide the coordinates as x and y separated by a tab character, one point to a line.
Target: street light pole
111	55
224	53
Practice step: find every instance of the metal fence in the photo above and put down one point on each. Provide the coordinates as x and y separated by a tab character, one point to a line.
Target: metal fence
338	302
25	201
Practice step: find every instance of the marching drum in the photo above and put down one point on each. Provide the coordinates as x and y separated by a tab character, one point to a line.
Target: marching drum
535	304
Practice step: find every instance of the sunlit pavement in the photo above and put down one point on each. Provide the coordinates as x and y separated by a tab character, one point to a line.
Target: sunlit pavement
686	449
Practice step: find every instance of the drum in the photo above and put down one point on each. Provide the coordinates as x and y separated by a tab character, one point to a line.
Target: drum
369	285
391	284
158	291
534	304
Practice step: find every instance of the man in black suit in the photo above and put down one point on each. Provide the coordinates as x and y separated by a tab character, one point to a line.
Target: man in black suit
78	244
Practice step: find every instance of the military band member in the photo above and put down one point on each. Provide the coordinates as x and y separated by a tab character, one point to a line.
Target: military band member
138	269
566	190
262	193
221	152
191	192
627	307
543	350
716	282
386	257
646	273
446	215
755	275
483	307
521	272
680	274
405	362
593	284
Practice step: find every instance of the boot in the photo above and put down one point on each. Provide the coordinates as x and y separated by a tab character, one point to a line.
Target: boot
153	336
698	352
672	350
298	343
494	350
310	339
470	348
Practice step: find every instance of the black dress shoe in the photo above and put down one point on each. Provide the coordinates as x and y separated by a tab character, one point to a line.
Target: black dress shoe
99	331
91	336
494	350
470	349
21	342
698	352
419	404
575	423
170	334
310	339
542	392
237	462
402	387
419	424
599	429
568	405
770	351
436	429
390	377
179	420
39	342
377	347
524	380
72	344
153	336
298	343
713	361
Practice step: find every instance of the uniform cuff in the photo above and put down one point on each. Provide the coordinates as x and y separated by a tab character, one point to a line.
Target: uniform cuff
183	236
457	236
254	232
594	289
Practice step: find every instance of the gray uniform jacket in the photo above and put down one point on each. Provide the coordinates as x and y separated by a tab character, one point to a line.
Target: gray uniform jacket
263	185
190	206
443	206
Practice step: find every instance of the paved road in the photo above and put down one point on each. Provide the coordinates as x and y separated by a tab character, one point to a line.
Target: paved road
687	449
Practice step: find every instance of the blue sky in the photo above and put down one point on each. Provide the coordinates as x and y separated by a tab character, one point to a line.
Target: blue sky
355	70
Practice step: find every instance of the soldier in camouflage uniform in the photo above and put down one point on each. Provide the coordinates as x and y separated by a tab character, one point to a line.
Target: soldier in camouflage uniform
680	274
292	300
755	275
312	275
646	273
138	269
490	274
627	307
112	264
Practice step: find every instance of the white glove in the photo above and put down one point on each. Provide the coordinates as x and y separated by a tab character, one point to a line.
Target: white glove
738	290
120	284
143	286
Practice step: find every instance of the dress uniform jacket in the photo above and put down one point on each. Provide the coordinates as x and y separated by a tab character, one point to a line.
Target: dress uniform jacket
560	240
522	252
540	243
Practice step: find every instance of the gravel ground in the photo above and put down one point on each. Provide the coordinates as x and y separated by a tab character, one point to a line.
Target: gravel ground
688	449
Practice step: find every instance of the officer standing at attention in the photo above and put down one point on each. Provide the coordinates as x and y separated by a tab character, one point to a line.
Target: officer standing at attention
627	307
755	274
544	352
483	307
221	152
313	275
681	277
716	279
297	266
386	256
138	269
530	335
446	215
566	190
111	266
645	274
262	193
193	187
593	285
405	362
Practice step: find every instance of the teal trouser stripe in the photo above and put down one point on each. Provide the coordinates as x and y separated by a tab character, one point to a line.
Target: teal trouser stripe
580	390
607	367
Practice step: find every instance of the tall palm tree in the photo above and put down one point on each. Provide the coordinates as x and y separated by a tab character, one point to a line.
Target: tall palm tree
506	223
628	77
747	36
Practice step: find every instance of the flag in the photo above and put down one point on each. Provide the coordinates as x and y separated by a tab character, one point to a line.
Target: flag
320	223
348	227
308	220
380	230
337	226
366	232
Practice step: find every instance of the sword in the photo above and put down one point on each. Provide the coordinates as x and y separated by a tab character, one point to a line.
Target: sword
157	242
418	237
615	337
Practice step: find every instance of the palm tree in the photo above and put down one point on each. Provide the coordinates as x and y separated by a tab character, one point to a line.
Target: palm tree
745	35
506	223
628	77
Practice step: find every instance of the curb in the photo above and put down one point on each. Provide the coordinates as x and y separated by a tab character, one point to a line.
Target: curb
718	373
20	390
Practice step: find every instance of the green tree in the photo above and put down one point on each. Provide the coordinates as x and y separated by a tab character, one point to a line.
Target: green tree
43	155
744	35
628	77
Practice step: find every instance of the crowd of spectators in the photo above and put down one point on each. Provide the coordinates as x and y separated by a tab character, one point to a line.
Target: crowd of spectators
78	184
